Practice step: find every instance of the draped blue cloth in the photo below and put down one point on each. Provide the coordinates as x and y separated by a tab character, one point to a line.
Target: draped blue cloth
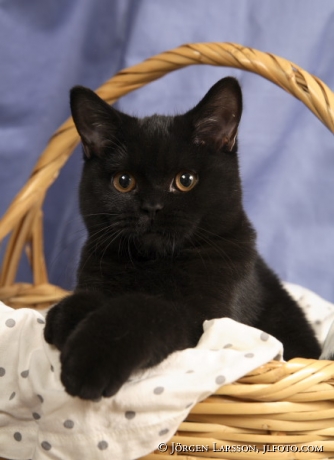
286	154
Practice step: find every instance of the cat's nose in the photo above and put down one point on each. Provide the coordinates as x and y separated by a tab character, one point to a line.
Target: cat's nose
151	207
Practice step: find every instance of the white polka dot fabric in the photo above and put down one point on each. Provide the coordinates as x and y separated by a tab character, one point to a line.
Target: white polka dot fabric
39	421
318	311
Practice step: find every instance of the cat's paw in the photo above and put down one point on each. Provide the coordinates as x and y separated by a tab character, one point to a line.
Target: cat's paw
88	375
63	318
97	358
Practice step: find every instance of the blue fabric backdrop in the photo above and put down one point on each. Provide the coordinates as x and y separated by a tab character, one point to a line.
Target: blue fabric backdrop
286	154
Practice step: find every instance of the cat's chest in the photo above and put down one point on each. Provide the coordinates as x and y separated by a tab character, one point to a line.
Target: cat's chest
170	279
153	278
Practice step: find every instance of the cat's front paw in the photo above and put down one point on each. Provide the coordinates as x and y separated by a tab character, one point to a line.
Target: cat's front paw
63	318
97	358
87	374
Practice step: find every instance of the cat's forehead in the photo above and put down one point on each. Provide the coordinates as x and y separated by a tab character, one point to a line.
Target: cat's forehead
160	143
156	125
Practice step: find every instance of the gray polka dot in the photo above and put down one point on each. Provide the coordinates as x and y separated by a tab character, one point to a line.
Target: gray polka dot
102	445
46	445
249	355
17	436
40	321
220	379
12	396
158	390
69	424
52	368
36	415
40	398
163	432
10	322
25	374
2	371
317	322
130	414
188	405
190	371
228	345
264	336
278	357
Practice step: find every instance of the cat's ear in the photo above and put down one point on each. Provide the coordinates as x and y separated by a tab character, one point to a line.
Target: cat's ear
95	120
216	117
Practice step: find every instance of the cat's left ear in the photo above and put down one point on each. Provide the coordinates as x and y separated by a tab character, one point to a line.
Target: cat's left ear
96	122
216	118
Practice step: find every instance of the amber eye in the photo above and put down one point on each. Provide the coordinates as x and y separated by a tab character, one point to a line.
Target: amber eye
124	182
185	181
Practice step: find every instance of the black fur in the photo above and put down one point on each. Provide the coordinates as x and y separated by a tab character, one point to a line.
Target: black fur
159	261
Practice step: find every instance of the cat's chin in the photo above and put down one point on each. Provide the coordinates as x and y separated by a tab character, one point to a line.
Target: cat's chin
153	244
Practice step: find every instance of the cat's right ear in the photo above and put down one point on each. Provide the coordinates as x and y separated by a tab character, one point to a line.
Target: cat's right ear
95	120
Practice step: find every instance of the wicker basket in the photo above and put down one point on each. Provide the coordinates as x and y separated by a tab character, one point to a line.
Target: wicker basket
288	405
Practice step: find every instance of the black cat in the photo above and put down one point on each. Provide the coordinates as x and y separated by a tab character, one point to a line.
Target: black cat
169	244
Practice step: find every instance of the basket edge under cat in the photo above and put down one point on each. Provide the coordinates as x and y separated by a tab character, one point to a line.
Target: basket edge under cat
279	404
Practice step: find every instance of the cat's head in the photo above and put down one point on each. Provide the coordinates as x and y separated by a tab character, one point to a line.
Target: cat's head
160	183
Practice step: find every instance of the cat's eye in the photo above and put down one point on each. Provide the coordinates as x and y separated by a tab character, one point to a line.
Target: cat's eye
186	181
124	182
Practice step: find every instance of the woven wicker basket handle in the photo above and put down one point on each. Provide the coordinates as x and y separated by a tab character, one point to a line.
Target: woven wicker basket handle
24	216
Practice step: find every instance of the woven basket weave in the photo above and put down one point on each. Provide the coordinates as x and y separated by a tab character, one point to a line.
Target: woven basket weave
286	404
